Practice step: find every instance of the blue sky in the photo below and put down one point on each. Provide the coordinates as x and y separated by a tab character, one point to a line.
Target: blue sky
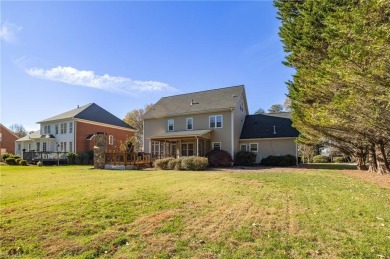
126	54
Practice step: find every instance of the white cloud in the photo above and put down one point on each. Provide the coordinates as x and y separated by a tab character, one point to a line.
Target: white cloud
72	76
8	31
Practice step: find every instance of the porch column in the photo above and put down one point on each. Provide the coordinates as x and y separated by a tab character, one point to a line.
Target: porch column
197	146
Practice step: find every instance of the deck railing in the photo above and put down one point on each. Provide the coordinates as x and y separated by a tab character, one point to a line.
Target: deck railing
139	159
35	156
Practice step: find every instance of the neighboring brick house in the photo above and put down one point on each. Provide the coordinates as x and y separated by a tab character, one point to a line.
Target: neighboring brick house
7	140
74	131
193	124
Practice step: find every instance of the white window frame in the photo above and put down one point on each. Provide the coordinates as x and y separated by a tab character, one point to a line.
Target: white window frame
155	148
44	146
70	146
173	125
63	128
215	117
257	147
213	145
243	145
46	129
70	127
56	129
110	139
192	123
38	146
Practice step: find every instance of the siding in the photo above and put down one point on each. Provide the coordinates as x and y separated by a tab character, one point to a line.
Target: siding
7	143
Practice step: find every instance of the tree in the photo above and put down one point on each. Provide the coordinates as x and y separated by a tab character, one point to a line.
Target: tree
260	111
19	130
275	108
134	119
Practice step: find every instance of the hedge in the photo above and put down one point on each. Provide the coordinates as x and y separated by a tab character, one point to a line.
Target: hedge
194	163
10	161
162	164
320	159
245	158
219	158
287	160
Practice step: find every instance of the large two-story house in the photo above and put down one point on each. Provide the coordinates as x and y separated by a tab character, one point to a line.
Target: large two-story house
74	131
193	124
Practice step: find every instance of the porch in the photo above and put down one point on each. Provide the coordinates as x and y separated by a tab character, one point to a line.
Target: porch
181	144
45	156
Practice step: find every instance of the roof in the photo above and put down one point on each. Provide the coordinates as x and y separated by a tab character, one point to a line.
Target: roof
7	129
180	134
91	112
262	126
198	102
279	114
35	134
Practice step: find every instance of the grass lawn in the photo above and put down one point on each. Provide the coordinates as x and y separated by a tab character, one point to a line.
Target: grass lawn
72	211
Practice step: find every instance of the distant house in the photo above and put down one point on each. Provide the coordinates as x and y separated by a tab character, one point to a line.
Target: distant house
195	123
74	131
7	140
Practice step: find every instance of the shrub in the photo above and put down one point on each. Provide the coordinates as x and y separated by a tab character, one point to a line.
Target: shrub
218	158
82	159
320	159
71	158
338	159
6	155
39	163
23	162
194	163
287	160
162	164
245	158
17	160
175	164
10	161
17	156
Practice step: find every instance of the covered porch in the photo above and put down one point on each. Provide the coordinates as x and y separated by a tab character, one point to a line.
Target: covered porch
181	144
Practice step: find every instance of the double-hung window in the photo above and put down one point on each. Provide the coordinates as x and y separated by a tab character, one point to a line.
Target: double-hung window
56	129
70	127
111	140
243	147
189	124
46	129
216	121
63	128
216	145
171	125
253	147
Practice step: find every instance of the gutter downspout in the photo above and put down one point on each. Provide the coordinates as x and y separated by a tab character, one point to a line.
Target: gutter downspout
197	146
232	131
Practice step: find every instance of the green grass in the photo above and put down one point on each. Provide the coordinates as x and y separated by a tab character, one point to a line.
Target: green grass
72	211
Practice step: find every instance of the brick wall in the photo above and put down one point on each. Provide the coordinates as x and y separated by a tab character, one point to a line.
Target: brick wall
7	142
84	129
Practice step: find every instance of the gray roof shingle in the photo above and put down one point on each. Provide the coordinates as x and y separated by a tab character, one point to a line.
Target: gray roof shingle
204	101
91	112
262	126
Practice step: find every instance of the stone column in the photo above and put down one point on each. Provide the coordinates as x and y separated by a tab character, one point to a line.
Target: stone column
99	150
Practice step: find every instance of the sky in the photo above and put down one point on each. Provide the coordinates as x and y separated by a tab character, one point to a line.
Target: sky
123	55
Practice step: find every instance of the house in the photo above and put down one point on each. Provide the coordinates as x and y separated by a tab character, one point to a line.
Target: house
193	124
7	140
74	131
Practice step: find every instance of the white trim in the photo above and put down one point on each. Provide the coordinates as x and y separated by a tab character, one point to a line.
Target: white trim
192	123
260	139
220	145
257	147
173	124
215	116
246	147
105	125
187	114
232	131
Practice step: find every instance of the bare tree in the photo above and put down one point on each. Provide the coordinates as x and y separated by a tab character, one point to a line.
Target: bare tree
19	130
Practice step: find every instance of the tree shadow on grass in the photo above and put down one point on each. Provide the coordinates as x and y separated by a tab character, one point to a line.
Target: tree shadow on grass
342	166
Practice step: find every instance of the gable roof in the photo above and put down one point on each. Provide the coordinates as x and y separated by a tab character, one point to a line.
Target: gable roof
198	102
33	135
90	112
279	114
262	126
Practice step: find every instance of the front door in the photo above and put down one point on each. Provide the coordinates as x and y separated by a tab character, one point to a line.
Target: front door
187	149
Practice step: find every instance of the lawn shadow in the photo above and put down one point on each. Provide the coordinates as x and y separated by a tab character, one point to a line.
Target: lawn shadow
330	166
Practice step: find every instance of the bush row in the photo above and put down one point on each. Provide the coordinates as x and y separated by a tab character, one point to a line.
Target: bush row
15	161
81	159
287	160
191	163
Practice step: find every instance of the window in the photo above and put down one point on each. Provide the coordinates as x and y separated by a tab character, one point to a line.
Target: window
19	147
63	128
243	147
171	124
253	147
70	146
44	146
189	123
56	127
29	147
111	140
187	149
216	145
38	146
46	129
64	146
215	121
70	127
155	148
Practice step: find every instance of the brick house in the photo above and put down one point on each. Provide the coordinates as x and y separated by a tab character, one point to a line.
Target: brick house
74	131
7	140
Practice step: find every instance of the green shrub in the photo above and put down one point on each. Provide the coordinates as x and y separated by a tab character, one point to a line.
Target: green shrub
6	155
17	156
194	163
17	160
219	158
245	158
320	159
71	158
23	162
39	163
338	159
287	160
10	161
82	159
175	164
162	164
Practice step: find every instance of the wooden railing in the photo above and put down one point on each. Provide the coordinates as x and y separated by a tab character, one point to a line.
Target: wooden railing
139	159
35	156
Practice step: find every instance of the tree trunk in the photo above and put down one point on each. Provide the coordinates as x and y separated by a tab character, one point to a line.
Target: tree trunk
361	159
373	163
383	164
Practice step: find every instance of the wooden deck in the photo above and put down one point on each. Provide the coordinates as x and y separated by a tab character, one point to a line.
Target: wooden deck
50	157
141	160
